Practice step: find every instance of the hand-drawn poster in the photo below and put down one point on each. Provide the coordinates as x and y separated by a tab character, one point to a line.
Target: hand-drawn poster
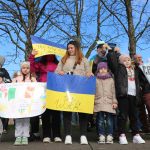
20	100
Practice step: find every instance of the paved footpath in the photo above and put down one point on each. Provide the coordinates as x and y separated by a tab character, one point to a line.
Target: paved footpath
7	141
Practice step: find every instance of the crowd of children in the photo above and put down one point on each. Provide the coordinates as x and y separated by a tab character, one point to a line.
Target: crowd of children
121	86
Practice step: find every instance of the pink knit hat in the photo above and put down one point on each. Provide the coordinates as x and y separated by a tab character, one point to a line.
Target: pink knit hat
123	57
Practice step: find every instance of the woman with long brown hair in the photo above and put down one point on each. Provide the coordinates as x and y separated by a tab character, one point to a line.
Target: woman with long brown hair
74	63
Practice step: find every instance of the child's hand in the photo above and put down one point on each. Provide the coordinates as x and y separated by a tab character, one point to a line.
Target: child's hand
114	106
34	52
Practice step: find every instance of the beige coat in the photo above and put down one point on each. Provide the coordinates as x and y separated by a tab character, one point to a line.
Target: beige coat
81	69
105	95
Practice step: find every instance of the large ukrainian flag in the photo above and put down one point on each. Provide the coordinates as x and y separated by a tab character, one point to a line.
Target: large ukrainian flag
70	93
45	47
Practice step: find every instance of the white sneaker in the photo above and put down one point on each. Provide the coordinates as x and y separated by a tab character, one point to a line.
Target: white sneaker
123	139
68	139
101	139
137	139
109	139
46	140
83	140
57	139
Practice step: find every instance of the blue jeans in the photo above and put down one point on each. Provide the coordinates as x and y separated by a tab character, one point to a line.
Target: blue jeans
104	121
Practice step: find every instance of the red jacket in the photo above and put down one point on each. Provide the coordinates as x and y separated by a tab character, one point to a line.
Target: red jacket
41	69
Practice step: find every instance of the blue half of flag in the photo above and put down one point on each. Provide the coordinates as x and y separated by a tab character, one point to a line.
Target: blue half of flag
73	83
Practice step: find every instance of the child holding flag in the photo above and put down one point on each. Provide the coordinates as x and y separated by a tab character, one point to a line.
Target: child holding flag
22	125
51	122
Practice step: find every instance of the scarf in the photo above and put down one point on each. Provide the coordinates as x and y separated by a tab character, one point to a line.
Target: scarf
103	77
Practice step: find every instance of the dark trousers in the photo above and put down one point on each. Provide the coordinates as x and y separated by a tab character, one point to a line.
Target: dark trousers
127	108
67	116
5	123
146	98
101	118
34	121
144	119
51	123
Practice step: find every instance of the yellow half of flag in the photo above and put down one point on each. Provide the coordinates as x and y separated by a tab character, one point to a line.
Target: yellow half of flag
71	102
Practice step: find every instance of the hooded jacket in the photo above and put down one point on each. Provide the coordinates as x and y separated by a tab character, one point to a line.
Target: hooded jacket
41	69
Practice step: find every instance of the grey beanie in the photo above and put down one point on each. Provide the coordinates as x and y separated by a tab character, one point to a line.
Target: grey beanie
2	60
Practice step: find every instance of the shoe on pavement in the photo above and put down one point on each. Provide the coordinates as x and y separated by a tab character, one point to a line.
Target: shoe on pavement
34	137
18	141
83	140
57	139
109	139
68	139
101	139
137	139
46	140
4	131
123	139
24	141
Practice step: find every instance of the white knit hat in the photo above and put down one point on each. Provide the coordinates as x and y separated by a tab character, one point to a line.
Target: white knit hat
25	63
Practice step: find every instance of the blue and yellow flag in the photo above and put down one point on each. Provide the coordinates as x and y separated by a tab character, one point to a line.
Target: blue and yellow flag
45	47
70	93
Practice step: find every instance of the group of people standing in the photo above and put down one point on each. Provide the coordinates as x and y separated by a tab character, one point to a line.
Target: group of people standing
130	85
119	86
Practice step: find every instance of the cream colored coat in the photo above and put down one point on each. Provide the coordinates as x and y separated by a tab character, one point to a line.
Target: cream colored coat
105	95
81	69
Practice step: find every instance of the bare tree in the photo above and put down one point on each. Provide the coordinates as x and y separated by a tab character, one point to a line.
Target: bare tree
132	16
81	20
20	19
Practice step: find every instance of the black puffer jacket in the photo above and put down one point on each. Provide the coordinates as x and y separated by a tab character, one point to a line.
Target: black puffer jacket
121	79
5	75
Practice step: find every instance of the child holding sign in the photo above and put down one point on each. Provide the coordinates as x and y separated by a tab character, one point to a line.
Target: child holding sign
22	125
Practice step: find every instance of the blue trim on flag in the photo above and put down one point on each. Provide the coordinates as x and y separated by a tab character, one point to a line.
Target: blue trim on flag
72	83
38	40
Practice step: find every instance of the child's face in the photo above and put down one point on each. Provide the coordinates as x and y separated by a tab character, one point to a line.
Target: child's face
103	71
25	69
127	62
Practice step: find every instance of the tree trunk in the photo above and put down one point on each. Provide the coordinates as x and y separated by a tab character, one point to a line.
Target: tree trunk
28	47
131	30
